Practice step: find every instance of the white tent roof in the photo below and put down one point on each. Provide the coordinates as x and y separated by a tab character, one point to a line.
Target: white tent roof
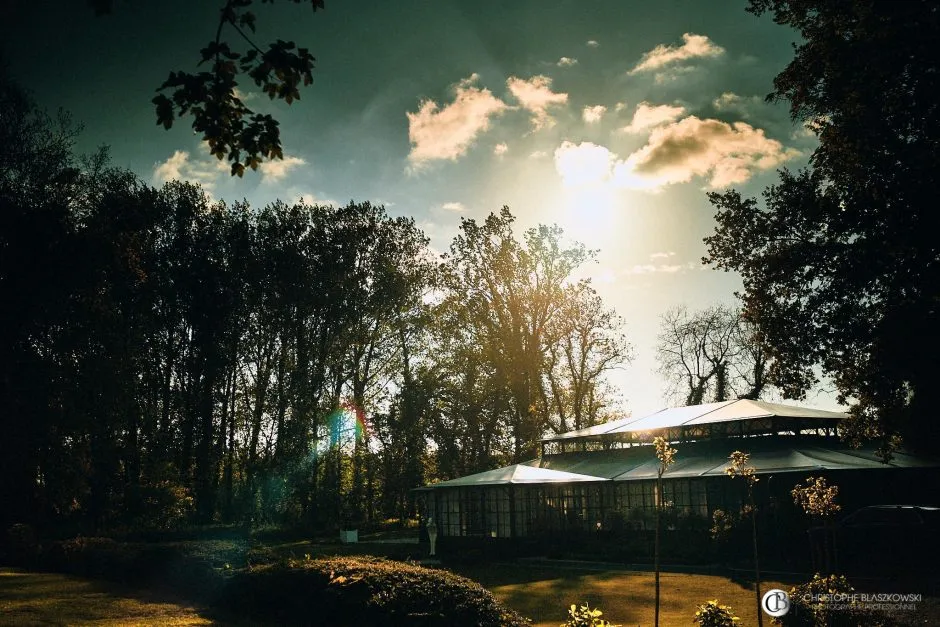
707	413
517	473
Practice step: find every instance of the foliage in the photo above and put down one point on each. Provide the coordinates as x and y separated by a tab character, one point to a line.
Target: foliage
739	467
664	453
525	350
20	545
163	505
712	614
818	501
176	361
666	456
364	591
711	355
816	498
812	605
722	523
212	97
584	616
839	263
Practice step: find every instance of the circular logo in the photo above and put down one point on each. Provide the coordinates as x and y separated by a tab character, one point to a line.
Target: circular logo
775	602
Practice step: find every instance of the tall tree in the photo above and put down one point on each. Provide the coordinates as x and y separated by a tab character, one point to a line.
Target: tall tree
512	292
586	342
711	355
840	265
536	343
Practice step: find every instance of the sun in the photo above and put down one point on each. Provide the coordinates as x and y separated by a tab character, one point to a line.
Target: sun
588	213
587	207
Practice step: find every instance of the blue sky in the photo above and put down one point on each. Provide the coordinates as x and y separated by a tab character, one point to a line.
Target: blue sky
612	119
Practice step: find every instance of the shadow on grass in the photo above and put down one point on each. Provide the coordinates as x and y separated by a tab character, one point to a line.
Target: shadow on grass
28	598
544	593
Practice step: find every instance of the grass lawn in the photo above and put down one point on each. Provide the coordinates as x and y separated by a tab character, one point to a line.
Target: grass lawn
544	593
50	599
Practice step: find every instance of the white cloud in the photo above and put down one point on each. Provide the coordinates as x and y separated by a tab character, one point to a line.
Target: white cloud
671	268
620	107
663	255
182	167
693	46
453	206
730	101
566	62
244	96
726	154
593	114
672	74
536	96
447	133
500	149
276	169
538	154
583	164
649	116
592	43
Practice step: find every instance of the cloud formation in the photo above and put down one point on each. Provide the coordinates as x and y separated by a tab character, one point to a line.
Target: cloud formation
672	268
743	105
650	116
453	206
727	154
182	167
566	62
592	43
593	114
583	164
447	133
500	149
693	46
536	96
276	169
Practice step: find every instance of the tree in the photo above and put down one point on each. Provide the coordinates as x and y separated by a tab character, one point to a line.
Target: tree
666	456
532	345
739	467
230	127
588	343
510	292
818	501
711	355
839	262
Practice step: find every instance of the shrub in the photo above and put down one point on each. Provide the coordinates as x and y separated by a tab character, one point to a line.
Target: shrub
711	614
137	564
364	591
584	616
20	546
812	605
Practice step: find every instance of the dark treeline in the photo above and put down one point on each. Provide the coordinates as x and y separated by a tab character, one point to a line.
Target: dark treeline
168	359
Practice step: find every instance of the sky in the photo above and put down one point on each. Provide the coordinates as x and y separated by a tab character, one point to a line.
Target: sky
612	119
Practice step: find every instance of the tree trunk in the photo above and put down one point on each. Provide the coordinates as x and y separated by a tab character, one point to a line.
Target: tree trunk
659	509
757	594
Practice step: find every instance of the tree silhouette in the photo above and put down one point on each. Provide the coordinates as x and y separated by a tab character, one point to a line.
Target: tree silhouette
840	263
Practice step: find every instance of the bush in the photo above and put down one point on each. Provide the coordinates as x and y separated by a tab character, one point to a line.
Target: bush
136	564
363	591
584	616
711	614
20	546
812	605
